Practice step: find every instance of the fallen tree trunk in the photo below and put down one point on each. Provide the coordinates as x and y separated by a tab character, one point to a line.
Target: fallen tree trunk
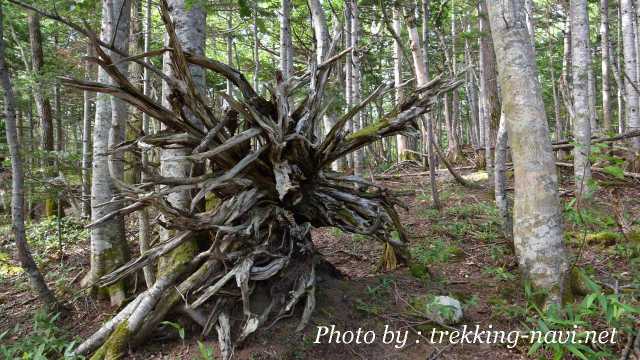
599	169
566	144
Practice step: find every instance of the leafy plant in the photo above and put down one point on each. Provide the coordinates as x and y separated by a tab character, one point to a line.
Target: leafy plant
45	341
179	328
206	352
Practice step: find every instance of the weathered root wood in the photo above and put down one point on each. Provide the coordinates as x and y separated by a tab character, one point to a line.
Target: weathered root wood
271	183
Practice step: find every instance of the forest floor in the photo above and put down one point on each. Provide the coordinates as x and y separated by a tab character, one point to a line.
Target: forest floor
461	246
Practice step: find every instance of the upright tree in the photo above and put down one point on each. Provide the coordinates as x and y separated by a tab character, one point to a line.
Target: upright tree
17	184
630	69
537	211
286	44
490	101
109	248
43	105
604	46
580	64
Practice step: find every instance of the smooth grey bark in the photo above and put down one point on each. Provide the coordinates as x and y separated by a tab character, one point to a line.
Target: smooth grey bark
565	75
502	200
348	72
86	140
622	120
427	119
190	25
230	45
490	99
17	184
471	91
630	69
580	64
604	47
401	140
356	83
256	48
554	87
286	44
321	34
109	248
531	28
537	210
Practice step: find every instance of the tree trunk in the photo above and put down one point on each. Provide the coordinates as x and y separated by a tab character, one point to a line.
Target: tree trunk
402	141
358	157
43	105
348	73
565	76
490	101
604	47
502	200
622	119
17	185
537	211
109	248
630	70
580	95
86	140
321	33
189	23
427	118
531	27
286	45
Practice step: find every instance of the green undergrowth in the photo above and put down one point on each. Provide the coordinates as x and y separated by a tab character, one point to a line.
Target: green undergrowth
45	340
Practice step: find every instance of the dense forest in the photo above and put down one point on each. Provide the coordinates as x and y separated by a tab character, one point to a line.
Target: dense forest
311	179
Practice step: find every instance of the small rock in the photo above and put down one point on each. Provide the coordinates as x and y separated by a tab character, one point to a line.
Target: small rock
445	310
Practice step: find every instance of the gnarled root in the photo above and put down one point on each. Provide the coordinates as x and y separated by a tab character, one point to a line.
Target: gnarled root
279	266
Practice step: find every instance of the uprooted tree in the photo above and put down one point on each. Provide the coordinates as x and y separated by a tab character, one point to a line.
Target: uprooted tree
271	182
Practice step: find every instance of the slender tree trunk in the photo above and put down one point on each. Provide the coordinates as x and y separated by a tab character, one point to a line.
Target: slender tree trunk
358	157
397	77
580	95
622	119
86	140
43	105
190	29
256	48
554	88
133	128
565	76
17	184
286	45
321	33
472	95
108	243
630	70
537	211
144	235
502	200
427	119
531	27
348	72
453	148
491	101
604	46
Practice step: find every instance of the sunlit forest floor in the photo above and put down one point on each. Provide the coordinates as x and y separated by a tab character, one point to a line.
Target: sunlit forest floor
458	252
